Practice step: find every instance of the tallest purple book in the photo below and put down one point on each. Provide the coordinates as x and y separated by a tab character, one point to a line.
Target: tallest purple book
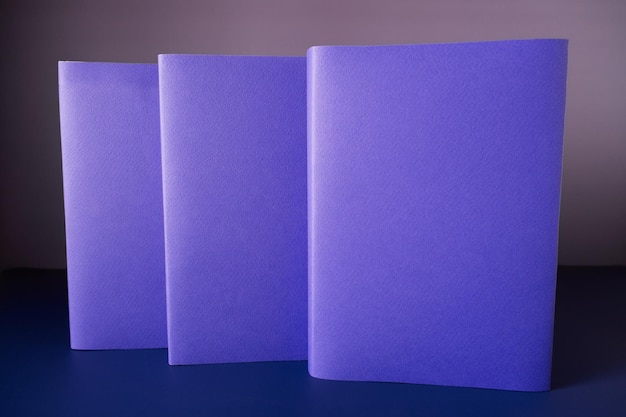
434	187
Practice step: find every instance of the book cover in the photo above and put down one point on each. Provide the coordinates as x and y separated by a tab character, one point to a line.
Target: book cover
434	188
234	165
109	116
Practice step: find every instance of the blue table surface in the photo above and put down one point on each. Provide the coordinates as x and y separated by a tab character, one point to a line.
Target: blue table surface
41	376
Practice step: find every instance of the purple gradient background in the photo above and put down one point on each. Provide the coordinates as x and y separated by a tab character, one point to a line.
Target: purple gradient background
35	34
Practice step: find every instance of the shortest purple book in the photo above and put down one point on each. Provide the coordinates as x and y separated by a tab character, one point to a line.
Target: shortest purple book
234	168
434	185
111	151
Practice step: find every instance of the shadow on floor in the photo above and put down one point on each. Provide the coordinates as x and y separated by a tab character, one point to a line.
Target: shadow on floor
590	324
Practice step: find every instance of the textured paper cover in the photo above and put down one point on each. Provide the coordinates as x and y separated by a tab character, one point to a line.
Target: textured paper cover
234	162
434	185
109	117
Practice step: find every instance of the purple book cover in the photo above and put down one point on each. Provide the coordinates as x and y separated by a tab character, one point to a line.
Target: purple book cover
434	188
234	166
111	154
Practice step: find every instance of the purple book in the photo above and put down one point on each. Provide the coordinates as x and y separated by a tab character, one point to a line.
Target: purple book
111	153
234	167
434	187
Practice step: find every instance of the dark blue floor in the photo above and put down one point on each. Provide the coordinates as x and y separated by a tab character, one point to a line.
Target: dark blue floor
40	375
